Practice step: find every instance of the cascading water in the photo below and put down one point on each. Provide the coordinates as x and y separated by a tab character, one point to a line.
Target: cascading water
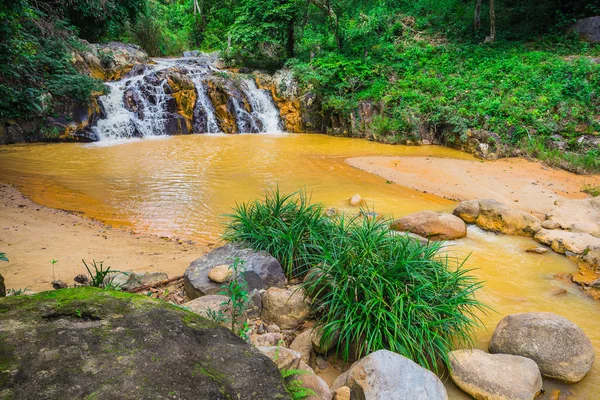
144	105
263	107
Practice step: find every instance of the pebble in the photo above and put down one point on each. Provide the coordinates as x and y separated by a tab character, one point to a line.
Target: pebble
273	328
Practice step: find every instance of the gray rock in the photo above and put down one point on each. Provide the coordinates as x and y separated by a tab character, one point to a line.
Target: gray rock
192	53
58	284
2	286
321	362
495	376
273	328
72	343
589	29
287	308
432	225
385	375
560	348
128	280
262	270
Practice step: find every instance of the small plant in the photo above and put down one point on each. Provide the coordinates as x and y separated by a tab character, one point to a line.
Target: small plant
106	58
17	292
98	276
293	385
53	262
591	190
237	292
3	257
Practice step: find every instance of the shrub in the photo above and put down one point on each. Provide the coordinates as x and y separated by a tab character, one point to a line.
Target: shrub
377	290
283	225
380	291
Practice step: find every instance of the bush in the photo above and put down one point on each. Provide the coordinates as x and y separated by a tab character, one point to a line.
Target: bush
377	290
285	226
380	291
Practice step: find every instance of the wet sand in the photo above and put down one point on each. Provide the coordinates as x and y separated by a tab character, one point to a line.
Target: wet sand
32	236
528	185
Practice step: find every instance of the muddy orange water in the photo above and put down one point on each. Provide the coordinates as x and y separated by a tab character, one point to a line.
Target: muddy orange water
181	186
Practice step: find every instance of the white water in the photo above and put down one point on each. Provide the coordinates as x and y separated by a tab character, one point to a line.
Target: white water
152	100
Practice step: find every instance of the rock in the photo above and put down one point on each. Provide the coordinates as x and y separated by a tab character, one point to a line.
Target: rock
411	236
128	280
321	362
140	347
468	211
283	357
495	376
191	53
317	385
261	329
356	201
273	328
262	270
220	273
589	29
432	225
342	393
384	375
537	250
498	217
58	284
581	247
303	345
2	286
560	348
110	61
266	339
214	302
288	308
285	90
320	346
576	215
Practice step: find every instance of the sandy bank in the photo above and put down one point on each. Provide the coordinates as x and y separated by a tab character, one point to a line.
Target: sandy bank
528	185
32	236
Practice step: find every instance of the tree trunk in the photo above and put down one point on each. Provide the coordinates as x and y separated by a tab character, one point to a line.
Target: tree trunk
477	21
492	22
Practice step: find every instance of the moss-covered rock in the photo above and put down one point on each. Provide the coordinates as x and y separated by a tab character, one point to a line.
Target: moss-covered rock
88	343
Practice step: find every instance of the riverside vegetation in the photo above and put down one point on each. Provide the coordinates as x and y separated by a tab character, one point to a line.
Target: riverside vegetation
371	289
417	66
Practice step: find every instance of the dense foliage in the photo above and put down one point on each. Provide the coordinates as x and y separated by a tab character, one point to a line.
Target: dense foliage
375	289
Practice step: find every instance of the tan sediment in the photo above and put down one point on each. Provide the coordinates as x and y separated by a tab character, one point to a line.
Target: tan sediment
528	185
32	236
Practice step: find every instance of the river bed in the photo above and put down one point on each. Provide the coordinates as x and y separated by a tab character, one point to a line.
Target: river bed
181	186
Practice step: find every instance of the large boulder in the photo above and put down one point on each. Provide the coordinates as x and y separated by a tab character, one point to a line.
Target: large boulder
432	225
262	270
581	247
589	29
495	376
87	342
560	348
288	308
492	215
385	375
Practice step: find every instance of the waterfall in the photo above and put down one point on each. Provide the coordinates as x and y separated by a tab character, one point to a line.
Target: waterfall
263	107
144	105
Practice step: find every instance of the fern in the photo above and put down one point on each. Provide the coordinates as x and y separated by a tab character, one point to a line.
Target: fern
294	386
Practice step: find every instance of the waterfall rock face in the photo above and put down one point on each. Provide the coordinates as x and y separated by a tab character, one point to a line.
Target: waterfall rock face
186	96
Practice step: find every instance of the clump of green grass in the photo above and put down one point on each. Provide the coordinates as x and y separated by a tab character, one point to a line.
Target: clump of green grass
380	291
285	226
374	289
